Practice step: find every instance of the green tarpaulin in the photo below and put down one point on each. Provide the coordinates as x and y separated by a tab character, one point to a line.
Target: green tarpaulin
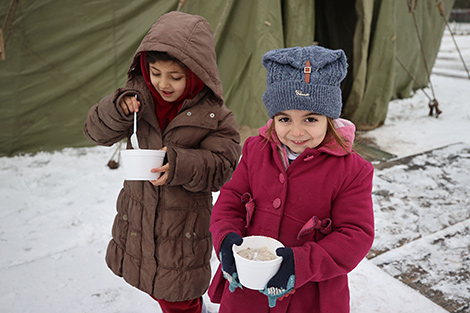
61	57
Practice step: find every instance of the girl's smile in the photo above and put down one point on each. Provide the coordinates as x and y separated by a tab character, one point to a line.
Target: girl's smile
299	142
168	78
299	129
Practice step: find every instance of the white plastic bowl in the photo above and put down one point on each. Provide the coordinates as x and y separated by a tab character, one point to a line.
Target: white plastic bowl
256	274
138	163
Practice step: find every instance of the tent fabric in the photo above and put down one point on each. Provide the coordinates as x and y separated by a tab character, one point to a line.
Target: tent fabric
393	35
63	56
372	33
247	31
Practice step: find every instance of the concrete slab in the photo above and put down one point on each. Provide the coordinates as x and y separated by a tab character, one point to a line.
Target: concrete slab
422	215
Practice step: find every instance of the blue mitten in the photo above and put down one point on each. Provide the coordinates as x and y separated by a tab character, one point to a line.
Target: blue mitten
228	262
282	283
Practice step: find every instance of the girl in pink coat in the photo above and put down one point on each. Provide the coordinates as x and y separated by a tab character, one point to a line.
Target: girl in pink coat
301	183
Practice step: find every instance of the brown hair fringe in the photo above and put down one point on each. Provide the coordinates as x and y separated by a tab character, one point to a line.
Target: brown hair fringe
332	135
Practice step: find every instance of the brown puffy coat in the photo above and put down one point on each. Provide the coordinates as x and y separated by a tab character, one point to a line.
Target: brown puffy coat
161	241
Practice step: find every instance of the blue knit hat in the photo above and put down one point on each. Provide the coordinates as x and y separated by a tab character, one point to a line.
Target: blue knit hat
304	78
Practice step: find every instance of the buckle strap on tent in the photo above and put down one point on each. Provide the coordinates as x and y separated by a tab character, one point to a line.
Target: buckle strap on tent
307	71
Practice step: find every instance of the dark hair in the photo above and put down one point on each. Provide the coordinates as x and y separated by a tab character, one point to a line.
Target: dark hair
154	56
332	135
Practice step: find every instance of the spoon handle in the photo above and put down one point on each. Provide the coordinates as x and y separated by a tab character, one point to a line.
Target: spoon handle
135	122
135	118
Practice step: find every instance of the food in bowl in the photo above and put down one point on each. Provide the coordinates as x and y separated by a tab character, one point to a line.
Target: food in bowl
259	254
256	274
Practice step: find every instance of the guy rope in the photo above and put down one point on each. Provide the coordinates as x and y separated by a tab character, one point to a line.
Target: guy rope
433	103
3	34
442	13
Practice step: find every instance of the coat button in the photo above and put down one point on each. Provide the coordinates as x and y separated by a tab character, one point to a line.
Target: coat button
281	178
277	203
188	235
188	114
212	115
124	217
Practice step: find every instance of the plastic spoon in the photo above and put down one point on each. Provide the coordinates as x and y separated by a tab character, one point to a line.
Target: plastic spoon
134	141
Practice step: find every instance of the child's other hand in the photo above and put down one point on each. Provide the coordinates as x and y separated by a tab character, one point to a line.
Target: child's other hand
129	104
162	180
164	169
282	283
229	269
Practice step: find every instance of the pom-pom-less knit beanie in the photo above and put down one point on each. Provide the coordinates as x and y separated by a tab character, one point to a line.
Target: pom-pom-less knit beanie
304	78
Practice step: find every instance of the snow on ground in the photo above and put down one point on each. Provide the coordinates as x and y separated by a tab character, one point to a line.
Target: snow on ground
57	210
421	205
56	218
422	223
408	129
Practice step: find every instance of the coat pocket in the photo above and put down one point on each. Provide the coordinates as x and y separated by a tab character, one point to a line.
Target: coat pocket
127	228
197	240
324	226
189	234
247	200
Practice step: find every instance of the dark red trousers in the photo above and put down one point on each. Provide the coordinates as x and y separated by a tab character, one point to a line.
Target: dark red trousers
190	306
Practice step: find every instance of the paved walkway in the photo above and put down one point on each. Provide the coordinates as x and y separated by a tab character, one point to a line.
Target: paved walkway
422	218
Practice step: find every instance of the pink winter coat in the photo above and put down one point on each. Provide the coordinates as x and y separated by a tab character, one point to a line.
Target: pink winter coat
325	185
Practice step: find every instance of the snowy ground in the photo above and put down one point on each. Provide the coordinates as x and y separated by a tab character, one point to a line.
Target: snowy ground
57	210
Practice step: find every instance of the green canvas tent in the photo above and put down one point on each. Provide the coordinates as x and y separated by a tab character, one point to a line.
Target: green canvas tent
58	58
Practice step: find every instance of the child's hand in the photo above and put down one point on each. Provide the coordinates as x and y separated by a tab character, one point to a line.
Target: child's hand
227	260
162	180
164	169
282	283
129	104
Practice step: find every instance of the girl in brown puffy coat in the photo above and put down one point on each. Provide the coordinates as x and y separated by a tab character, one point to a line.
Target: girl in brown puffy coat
161	241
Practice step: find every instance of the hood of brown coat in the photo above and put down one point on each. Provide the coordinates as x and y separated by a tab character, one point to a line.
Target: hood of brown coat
188	38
